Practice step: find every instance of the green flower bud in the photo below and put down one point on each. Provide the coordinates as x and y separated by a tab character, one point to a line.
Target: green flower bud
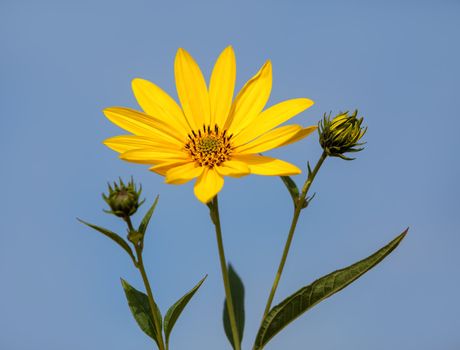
123	199
341	134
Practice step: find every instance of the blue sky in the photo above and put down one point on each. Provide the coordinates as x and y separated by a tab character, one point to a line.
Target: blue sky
62	62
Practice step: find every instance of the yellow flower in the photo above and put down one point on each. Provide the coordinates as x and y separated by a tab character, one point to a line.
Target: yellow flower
211	136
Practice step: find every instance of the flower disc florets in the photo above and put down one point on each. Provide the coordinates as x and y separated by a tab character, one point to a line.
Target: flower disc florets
209	147
341	134
123	199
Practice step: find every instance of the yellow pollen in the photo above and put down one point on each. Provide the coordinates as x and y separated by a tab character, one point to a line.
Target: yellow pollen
209	146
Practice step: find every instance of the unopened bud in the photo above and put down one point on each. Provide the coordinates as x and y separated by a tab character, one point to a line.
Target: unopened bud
341	134
123	199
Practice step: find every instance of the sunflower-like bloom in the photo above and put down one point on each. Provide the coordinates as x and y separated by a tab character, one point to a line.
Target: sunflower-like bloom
212	135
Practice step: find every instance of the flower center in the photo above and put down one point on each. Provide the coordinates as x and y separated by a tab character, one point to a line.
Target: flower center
209	147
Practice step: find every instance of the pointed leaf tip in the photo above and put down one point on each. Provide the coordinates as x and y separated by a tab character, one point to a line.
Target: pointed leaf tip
305	298
176	309
113	236
237	291
146	220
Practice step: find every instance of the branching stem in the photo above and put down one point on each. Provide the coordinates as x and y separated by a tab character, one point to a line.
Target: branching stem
299	205
153	305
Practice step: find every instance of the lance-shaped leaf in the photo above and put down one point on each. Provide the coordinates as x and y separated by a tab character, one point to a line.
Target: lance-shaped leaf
140	308
292	187
113	236
145	221
305	298
174	311
237	290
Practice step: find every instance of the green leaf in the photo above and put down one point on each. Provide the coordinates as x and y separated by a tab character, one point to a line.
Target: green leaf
174	311
145	221
305	298
113	236
140	308
237	290
292	187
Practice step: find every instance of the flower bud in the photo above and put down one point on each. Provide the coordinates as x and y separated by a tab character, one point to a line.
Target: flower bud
123	199
341	134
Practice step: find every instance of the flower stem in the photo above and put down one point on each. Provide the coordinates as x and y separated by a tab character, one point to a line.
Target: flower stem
299	205
153	305
214	211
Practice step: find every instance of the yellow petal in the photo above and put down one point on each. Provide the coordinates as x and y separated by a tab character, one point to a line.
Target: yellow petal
155	102
272	117
192	90
142	124
163	167
250	100
208	185
125	143
300	135
152	156
222	86
183	173
233	168
270	140
261	165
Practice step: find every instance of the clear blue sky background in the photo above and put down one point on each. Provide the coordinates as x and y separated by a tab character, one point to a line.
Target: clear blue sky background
62	62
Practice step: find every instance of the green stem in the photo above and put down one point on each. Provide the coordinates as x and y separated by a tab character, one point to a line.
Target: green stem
214	208
153	305
299	205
